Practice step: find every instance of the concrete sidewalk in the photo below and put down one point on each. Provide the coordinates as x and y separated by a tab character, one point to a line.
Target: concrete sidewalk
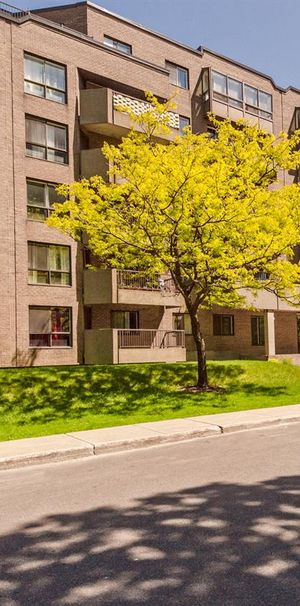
32	451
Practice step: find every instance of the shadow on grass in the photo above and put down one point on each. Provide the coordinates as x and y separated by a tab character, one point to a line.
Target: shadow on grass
220	544
46	394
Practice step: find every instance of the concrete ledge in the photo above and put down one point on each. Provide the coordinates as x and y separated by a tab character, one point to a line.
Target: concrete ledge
33	451
247	419
144	434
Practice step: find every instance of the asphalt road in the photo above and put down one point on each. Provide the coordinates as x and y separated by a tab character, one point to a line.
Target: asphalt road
213	521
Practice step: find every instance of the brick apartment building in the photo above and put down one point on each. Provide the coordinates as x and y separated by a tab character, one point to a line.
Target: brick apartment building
64	70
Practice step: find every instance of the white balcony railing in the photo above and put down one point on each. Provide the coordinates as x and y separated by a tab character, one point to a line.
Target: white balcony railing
150	339
134	280
140	107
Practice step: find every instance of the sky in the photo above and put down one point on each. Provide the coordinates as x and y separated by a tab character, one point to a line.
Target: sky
263	34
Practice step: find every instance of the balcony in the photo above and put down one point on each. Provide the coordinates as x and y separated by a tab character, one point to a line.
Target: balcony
99	113
108	286
122	346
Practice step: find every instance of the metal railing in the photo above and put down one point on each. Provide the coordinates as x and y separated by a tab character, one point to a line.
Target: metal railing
135	280
150	339
13	11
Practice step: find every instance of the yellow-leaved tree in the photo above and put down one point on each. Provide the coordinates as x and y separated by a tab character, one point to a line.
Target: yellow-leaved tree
212	212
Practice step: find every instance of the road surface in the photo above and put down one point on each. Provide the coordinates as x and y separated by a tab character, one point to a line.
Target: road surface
213	521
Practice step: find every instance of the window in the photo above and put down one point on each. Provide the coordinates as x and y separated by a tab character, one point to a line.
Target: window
125	319
88	317
46	140
262	276
45	79
178	75
50	327
183	123
40	198
223	325
241	95
258	330
212	132
182	322
117	45
49	264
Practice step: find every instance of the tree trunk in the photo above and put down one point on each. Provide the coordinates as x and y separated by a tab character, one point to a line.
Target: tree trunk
201	353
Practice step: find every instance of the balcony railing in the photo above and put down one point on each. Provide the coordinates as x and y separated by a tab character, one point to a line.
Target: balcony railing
150	339
13	11
140	107
134	279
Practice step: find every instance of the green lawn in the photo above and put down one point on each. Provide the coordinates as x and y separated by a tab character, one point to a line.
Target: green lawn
41	401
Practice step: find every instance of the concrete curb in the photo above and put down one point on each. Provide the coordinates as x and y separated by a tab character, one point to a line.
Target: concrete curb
65	447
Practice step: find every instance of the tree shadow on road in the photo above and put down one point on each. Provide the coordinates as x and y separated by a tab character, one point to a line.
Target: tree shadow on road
221	544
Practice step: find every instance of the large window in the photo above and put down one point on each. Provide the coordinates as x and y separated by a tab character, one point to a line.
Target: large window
257	330
117	45
46	140
50	327
237	94
178	75
49	264
45	79
125	319
40	198
223	325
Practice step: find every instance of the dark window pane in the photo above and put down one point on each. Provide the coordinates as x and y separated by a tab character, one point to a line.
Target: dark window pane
257	330
36	194
227	325
217	324
39	340
133	319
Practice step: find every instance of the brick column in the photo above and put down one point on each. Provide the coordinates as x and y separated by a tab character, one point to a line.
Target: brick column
270	333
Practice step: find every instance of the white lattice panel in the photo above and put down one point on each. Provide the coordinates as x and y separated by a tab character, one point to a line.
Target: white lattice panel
139	107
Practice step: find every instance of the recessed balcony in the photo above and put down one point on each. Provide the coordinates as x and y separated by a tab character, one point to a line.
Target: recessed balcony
117	346
108	286
99	113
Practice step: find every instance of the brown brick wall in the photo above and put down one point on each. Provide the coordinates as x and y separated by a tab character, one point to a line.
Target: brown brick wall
72	16
83	57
